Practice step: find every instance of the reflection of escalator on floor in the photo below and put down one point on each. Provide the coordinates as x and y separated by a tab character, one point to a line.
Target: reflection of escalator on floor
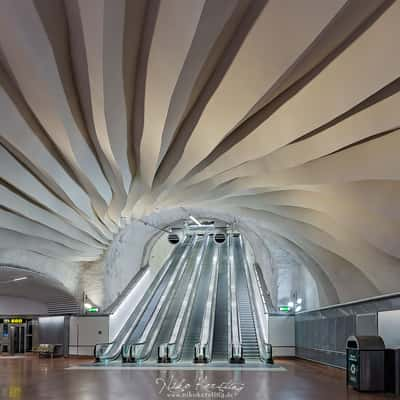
220	336
173	310
247	326
194	328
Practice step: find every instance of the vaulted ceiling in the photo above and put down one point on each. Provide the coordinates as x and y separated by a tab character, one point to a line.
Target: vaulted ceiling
284	113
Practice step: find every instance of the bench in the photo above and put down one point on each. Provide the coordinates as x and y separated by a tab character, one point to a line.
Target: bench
49	350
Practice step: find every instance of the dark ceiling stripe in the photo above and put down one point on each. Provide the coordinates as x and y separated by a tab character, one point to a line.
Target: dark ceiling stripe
248	126
177	145
389	90
31	168
362	141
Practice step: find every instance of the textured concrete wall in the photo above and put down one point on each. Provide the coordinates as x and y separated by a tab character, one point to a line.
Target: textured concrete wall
105	280
284	272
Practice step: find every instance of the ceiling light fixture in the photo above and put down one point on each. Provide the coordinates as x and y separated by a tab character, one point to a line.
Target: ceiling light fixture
88	305
20	279
194	220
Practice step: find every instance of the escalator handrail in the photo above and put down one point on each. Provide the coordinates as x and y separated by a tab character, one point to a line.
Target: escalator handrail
97	345
213	285
202	346
174	343
262	343
136	316
134	345
234	341
166	303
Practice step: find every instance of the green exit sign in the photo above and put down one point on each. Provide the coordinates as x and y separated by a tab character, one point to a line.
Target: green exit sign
284	308
93	309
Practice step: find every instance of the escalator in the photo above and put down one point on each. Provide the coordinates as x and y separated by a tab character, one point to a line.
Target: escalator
220	336
194	328
135	324
141	325
247	324
198	308
169	320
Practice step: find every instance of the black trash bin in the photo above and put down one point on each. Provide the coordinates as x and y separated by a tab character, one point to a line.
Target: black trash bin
392	370
366	363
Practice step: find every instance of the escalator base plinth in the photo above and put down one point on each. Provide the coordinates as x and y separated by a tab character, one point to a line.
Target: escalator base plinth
237	361
129	362
164	361
201	361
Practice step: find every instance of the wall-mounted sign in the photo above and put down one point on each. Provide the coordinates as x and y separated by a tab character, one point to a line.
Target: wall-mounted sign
93	310
15	321
284	308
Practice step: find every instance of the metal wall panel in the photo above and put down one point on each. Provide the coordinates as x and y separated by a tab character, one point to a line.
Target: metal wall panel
367	324
52	331
389	327
321	334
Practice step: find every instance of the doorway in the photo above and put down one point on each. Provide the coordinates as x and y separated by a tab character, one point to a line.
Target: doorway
16	335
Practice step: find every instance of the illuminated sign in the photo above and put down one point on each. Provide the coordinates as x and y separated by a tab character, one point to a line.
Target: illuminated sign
16	321
284	308
93	309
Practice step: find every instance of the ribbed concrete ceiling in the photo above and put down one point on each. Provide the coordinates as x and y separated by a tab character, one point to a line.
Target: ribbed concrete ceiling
282	112
37	287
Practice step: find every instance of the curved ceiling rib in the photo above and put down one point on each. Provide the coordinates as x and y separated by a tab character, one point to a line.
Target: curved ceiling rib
282	114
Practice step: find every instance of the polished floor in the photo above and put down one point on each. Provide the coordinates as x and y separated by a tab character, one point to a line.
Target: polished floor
39	379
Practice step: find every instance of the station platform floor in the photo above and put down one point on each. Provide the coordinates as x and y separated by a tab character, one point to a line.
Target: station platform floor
31	378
